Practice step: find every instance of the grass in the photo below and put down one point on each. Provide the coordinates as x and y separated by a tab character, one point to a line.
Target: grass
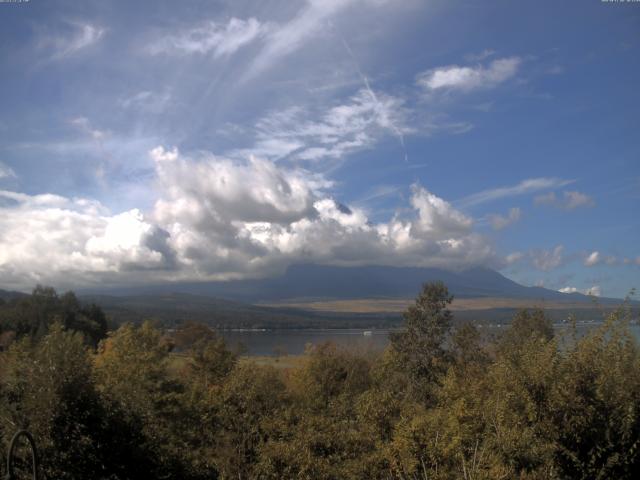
178	362
397	305
283	362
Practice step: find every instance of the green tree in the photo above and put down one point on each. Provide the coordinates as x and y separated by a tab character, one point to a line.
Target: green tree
420	348
32	316
48	389
211	360
131	372
526	325
320	435
250	396
595	404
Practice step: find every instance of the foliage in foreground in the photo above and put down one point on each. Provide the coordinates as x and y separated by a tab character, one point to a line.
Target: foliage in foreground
438	403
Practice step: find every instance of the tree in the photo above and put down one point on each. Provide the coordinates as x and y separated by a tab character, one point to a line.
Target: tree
249	397
131	373
189	333
211	360
595	404
420	348
320	435
525	326
48	389
32	316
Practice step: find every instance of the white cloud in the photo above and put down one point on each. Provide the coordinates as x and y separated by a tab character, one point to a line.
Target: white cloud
568	290
125	240
498	222
307	23
228	220
220	40
6	171
78	36
49	238
592	259
147	101
478	57
546	260
378	192
219	219
354	125
84	125
575	199
454	77
549	198
526	186
436	216
570	200
596	291
223	190
514	257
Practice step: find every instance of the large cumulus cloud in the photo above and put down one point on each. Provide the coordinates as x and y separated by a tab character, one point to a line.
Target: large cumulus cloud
49	238
218	219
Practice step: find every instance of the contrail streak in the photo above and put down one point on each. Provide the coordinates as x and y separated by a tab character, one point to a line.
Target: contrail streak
379	107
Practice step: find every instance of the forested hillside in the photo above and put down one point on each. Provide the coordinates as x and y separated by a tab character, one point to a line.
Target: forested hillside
438	403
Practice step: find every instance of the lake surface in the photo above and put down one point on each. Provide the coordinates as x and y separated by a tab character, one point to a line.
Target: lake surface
294	342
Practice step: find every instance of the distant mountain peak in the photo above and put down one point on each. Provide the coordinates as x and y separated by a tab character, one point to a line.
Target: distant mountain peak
322	282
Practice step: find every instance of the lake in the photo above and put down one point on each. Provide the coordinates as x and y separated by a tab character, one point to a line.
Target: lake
293	342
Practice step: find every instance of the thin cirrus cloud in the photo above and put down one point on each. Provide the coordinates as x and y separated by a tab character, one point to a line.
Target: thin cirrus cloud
147	101
309	22
75	37
6	171
530	185
546	260
353	125
499	222
377	193
631	261
277	40
513	257
84	125
570	200
212	38
466	79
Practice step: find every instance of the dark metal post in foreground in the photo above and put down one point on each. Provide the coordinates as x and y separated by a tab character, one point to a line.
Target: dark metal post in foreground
10	455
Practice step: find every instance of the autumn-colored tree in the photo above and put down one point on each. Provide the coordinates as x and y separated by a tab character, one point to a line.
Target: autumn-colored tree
48	389
131	373
440	402
250	396
594	405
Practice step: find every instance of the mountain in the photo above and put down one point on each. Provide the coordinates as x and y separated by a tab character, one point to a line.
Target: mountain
315	282
294	297
10	295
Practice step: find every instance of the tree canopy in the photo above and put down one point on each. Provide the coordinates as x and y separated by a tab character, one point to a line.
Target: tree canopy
440	402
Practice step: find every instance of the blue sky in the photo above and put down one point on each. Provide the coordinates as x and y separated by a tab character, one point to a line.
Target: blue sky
201	140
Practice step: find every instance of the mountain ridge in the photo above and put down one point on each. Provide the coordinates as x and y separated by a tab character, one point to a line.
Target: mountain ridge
317	282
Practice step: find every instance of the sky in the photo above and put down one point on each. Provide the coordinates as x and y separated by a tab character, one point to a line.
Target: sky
153	141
